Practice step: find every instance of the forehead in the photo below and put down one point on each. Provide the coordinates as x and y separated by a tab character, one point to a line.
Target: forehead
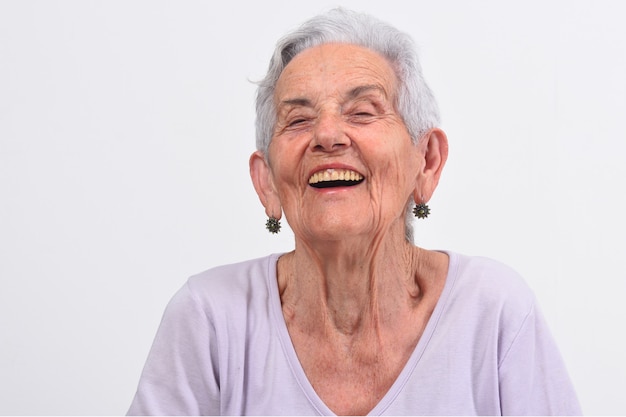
335	68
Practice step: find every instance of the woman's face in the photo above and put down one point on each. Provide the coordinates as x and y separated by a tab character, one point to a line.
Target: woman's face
341	160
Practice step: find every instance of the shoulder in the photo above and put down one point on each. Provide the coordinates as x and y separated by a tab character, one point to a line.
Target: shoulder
225	290
487	301
232	276
233	282
222	301
485	293
489	280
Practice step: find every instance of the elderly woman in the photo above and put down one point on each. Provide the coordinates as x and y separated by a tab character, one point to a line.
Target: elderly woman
356	319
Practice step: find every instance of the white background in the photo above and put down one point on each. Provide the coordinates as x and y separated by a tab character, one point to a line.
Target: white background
125	132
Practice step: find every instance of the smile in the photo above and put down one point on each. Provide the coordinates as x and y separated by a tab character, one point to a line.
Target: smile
335	178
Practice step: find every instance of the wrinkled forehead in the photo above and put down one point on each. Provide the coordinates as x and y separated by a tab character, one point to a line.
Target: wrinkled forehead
336	67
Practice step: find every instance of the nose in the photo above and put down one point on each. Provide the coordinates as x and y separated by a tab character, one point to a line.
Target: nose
328	134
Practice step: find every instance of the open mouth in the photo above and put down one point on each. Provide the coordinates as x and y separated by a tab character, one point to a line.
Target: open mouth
335	178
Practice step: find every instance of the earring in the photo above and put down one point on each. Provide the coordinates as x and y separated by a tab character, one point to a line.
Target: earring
273	225
421	210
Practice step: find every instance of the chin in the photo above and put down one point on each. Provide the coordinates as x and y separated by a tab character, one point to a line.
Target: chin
336	230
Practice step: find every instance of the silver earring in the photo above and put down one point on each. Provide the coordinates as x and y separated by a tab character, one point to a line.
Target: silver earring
421	210
272	225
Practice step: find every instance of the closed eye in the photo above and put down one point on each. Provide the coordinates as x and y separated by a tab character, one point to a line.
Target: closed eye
362	117
363	110
296	122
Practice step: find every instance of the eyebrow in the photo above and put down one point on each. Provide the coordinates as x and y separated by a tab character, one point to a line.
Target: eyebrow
363	89
304	102
350	95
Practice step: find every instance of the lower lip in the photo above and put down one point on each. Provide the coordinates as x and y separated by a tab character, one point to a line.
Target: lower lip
332	190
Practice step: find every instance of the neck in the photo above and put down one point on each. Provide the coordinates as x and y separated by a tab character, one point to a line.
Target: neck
349	287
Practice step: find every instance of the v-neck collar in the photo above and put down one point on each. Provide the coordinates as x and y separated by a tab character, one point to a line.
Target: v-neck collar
405	374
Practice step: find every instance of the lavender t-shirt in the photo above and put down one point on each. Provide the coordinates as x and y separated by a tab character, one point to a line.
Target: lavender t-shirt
223	348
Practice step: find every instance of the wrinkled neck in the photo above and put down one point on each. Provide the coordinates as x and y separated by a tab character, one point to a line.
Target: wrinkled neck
349	285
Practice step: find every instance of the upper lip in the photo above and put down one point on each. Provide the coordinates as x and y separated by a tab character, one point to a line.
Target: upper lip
335	167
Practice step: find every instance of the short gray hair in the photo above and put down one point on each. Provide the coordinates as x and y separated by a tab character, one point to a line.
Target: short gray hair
415	101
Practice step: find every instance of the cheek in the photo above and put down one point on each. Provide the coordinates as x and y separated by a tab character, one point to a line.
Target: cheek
399	174
285	148
395	162
285	171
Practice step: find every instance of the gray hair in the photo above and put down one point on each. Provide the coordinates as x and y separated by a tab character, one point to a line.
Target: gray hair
415	101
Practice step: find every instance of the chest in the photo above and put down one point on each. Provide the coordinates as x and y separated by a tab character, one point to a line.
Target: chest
440	378
351	379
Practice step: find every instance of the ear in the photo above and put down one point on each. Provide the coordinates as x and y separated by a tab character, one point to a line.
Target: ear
261	175
434	148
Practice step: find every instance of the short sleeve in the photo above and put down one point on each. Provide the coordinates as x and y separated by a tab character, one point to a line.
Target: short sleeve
533	377
180	376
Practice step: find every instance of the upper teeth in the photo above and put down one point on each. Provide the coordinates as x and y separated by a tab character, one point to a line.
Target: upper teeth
335	175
